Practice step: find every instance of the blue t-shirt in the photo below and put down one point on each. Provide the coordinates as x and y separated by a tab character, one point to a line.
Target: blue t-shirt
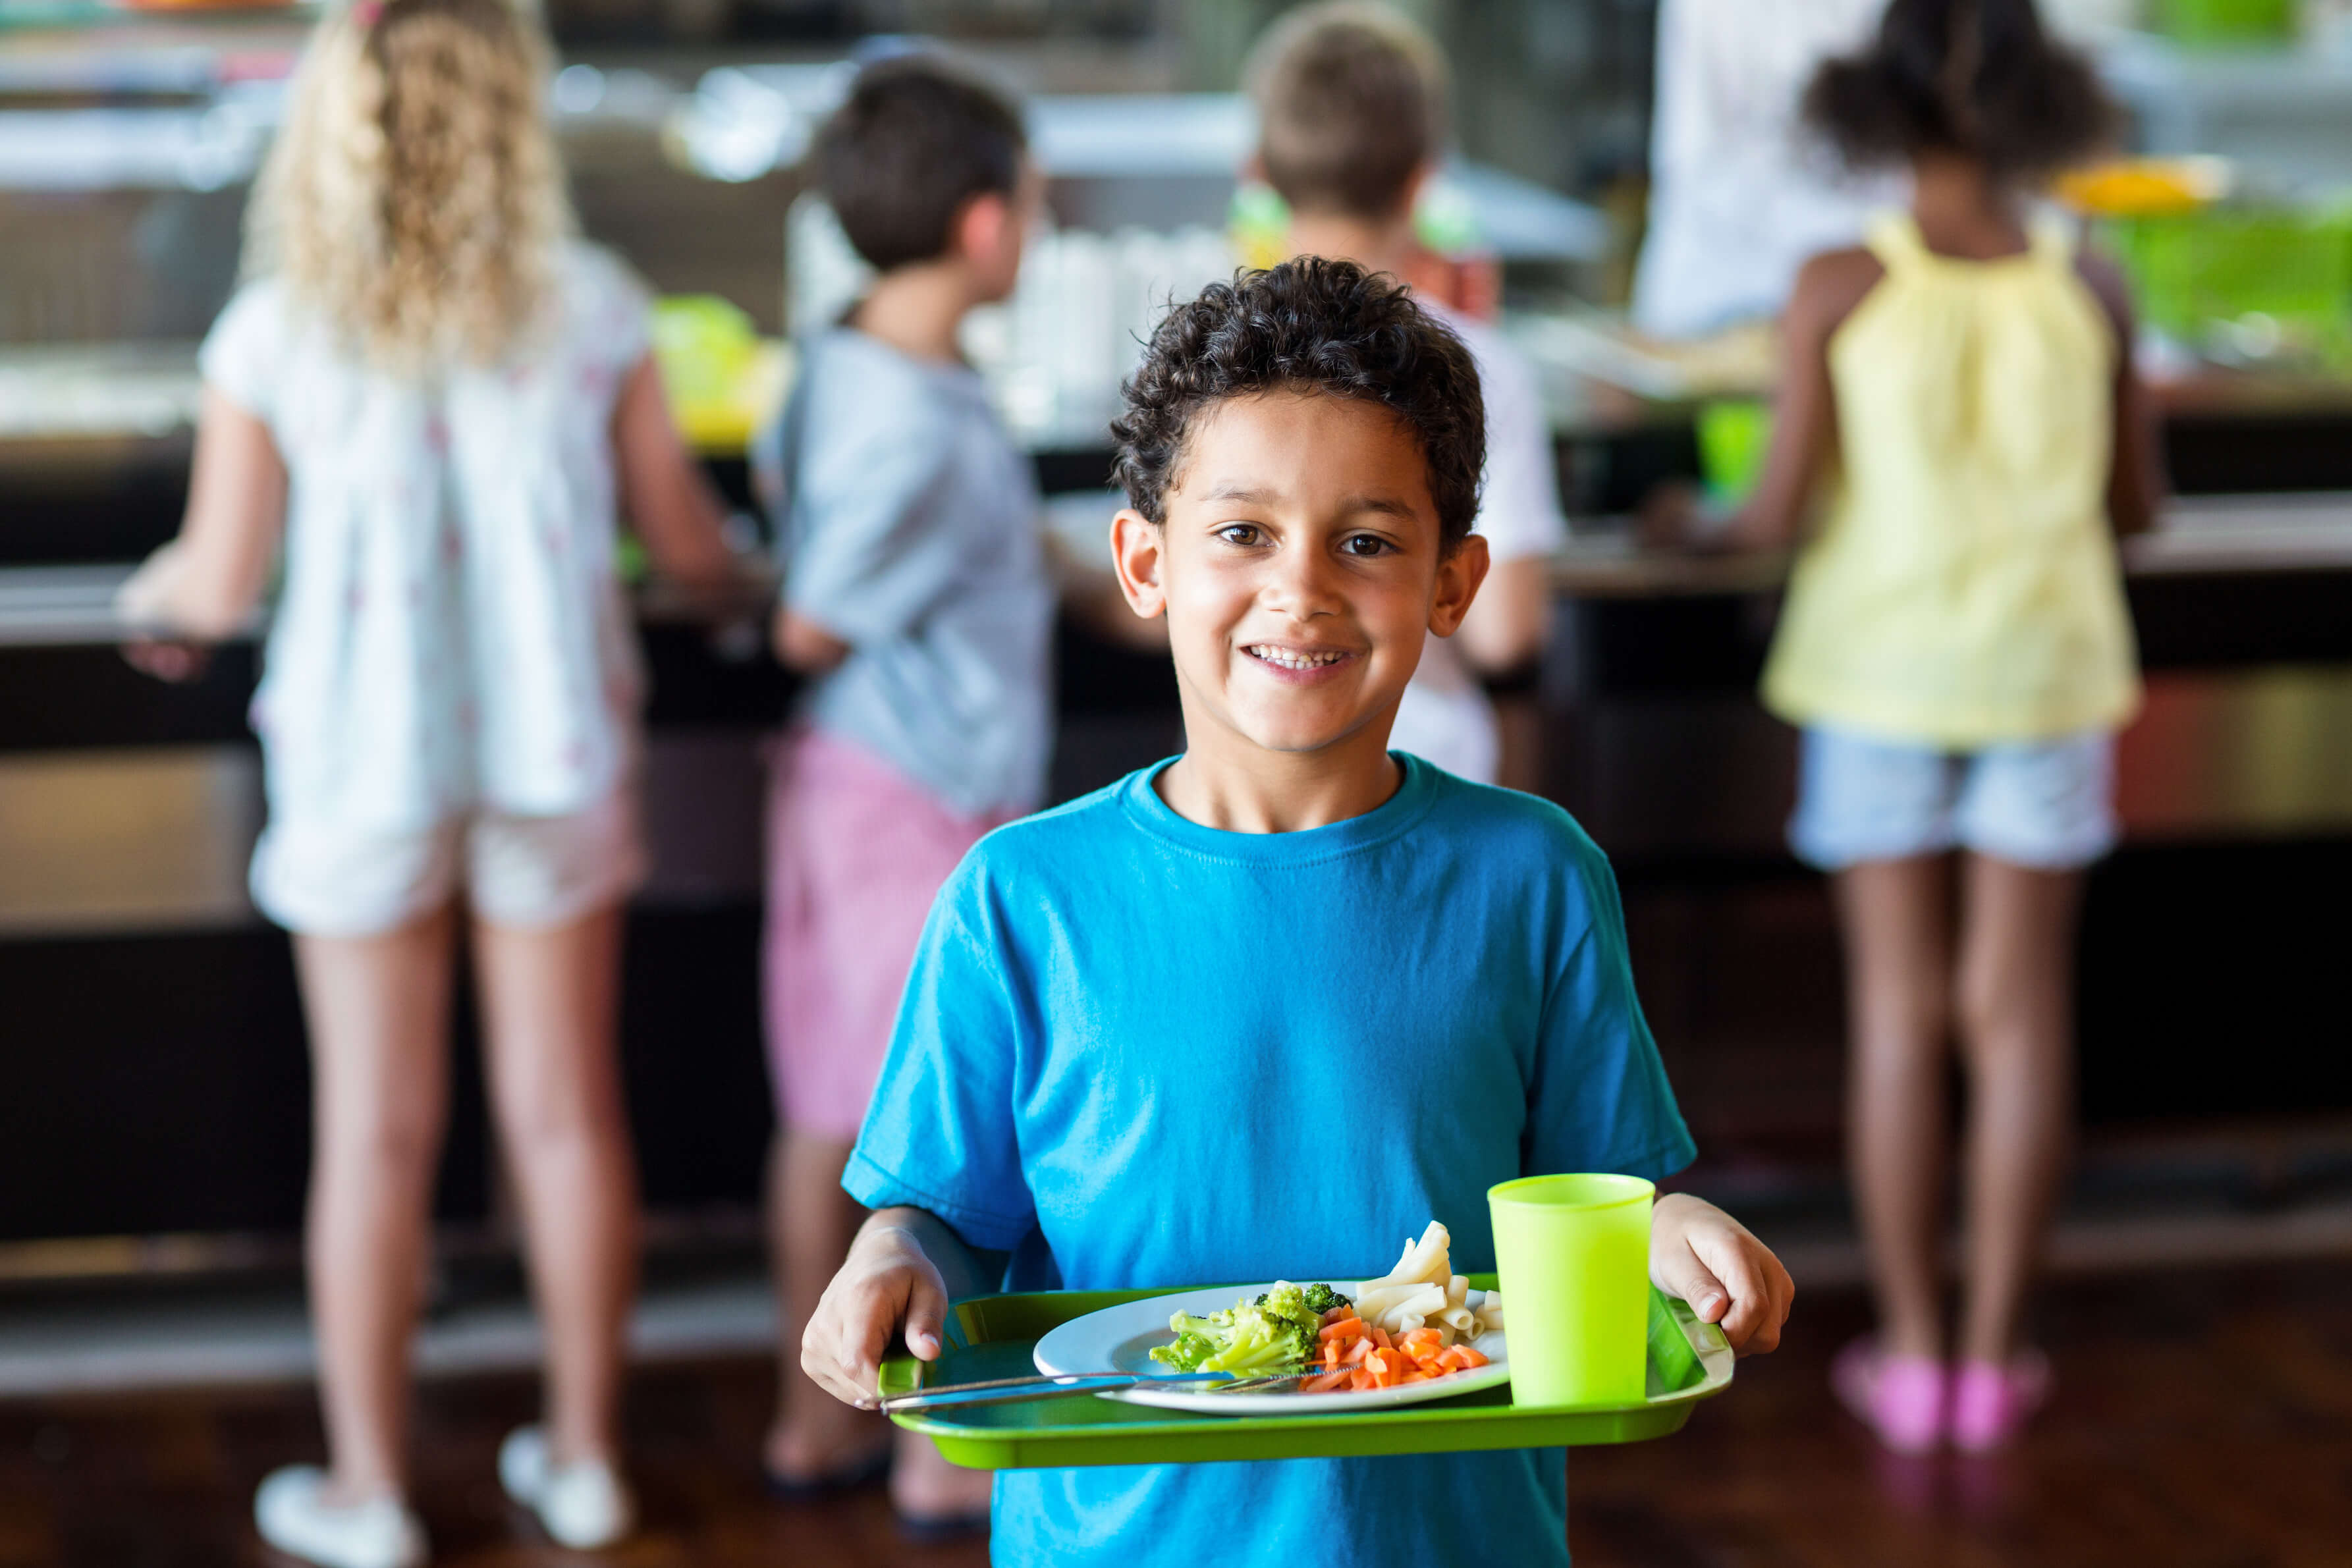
1136	1051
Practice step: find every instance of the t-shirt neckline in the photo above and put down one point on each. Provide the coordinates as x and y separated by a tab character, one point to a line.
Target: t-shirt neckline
1378	826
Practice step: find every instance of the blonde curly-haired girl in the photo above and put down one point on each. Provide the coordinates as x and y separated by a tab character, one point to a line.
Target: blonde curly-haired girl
436	399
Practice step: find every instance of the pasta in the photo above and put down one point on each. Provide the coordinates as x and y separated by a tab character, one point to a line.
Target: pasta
1422	1291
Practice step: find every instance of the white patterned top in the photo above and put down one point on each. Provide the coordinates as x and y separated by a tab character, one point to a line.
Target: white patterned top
449	634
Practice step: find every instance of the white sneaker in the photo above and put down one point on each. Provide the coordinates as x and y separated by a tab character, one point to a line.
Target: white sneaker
582	1505
294	1517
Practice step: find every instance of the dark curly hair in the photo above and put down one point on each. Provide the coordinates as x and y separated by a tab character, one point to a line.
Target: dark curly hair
1310	325
1980	77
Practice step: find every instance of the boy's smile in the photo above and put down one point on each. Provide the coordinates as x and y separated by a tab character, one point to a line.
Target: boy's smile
1300	564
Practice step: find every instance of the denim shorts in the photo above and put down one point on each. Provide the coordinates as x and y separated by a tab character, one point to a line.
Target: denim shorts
2044	804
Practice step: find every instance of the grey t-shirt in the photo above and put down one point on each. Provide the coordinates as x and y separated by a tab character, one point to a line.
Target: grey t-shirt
909	524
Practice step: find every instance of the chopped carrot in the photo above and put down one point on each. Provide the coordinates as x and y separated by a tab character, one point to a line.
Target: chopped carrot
1360	1356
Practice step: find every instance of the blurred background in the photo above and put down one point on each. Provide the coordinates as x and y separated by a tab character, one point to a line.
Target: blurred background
152	1085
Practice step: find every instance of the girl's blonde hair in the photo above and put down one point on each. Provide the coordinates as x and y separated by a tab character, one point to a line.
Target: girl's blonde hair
414	195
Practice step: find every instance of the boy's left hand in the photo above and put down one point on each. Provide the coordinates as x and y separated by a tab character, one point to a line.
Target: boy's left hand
1709	1259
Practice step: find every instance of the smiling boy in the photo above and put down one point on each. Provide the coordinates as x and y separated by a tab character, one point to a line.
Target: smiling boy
1257	1011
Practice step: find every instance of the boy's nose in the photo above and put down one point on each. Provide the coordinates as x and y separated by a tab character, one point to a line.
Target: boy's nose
1302	583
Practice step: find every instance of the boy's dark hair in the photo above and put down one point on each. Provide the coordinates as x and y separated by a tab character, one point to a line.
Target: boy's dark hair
1980	77
1312	324
1351	103
915	140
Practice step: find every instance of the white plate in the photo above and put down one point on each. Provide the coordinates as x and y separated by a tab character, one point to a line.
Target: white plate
1121	1339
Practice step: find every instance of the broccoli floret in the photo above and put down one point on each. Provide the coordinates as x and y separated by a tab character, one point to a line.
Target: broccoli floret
1243	1338
1321	1299
1190	1349
1306	1304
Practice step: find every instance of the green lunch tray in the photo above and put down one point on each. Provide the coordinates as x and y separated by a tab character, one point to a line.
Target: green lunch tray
994	1337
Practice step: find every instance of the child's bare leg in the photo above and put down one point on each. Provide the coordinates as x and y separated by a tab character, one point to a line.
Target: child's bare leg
551	1014
1894	916
925	1486
811	1222
377	1010
2016	1010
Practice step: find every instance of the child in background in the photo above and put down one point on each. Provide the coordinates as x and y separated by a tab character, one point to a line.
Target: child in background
436	398
1352	112
1245	1013
1956	647
917	604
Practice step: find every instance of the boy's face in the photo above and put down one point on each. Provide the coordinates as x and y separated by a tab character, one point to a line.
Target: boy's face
1299	567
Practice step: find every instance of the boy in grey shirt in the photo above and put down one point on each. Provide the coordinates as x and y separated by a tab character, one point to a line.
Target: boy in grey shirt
918	606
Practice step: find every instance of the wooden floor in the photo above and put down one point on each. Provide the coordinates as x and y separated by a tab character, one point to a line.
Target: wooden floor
2202	1418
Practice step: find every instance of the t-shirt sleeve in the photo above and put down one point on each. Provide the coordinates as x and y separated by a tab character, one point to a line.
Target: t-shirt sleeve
869	556
1519	511
1600	1099
245	352
940	1134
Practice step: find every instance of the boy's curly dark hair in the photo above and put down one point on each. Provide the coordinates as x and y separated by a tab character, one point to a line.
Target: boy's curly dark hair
1310	325
1980	77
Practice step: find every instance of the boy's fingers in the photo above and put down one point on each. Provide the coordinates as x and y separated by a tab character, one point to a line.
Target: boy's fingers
1688	1278
861	1367
1759	1301
927	1310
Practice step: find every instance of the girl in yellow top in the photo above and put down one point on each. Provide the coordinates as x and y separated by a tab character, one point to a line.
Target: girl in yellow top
1955	646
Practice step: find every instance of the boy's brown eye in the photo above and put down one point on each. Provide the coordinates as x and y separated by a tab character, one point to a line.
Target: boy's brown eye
1366	545
1239	533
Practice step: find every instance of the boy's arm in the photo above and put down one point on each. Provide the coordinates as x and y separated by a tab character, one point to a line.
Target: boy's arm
1704	1256
803	645
903	1270
874	560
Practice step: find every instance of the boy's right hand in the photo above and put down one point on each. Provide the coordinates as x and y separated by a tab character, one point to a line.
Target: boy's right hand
888	1281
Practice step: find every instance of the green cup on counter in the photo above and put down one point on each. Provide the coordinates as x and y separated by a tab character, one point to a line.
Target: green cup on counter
1574	1254
1733	436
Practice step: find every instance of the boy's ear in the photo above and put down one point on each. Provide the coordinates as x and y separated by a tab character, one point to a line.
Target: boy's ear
1413	187
1138	552
1459	572
980	225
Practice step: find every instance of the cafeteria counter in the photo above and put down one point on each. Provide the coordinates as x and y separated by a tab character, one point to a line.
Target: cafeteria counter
153	1078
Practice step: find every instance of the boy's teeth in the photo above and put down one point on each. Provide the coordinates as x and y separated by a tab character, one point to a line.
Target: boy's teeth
1290	661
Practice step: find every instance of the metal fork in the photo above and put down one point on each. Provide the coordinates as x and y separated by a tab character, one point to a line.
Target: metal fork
1264	1381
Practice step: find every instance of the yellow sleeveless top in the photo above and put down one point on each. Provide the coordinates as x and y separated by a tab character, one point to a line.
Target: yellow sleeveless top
1964	588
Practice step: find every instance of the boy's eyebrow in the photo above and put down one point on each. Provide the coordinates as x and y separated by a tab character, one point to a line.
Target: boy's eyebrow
1242	491
1238	490
1379	501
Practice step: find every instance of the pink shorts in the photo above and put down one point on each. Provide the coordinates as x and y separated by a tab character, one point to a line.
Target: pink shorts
856	855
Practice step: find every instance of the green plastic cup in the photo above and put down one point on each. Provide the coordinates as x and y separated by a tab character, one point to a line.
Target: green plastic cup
1574	1254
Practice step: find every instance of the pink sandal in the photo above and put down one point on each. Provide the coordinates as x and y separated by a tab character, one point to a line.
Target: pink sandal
1899	1397
1990	1404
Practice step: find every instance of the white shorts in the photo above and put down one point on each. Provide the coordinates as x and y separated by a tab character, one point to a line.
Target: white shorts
2044	804
529	872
